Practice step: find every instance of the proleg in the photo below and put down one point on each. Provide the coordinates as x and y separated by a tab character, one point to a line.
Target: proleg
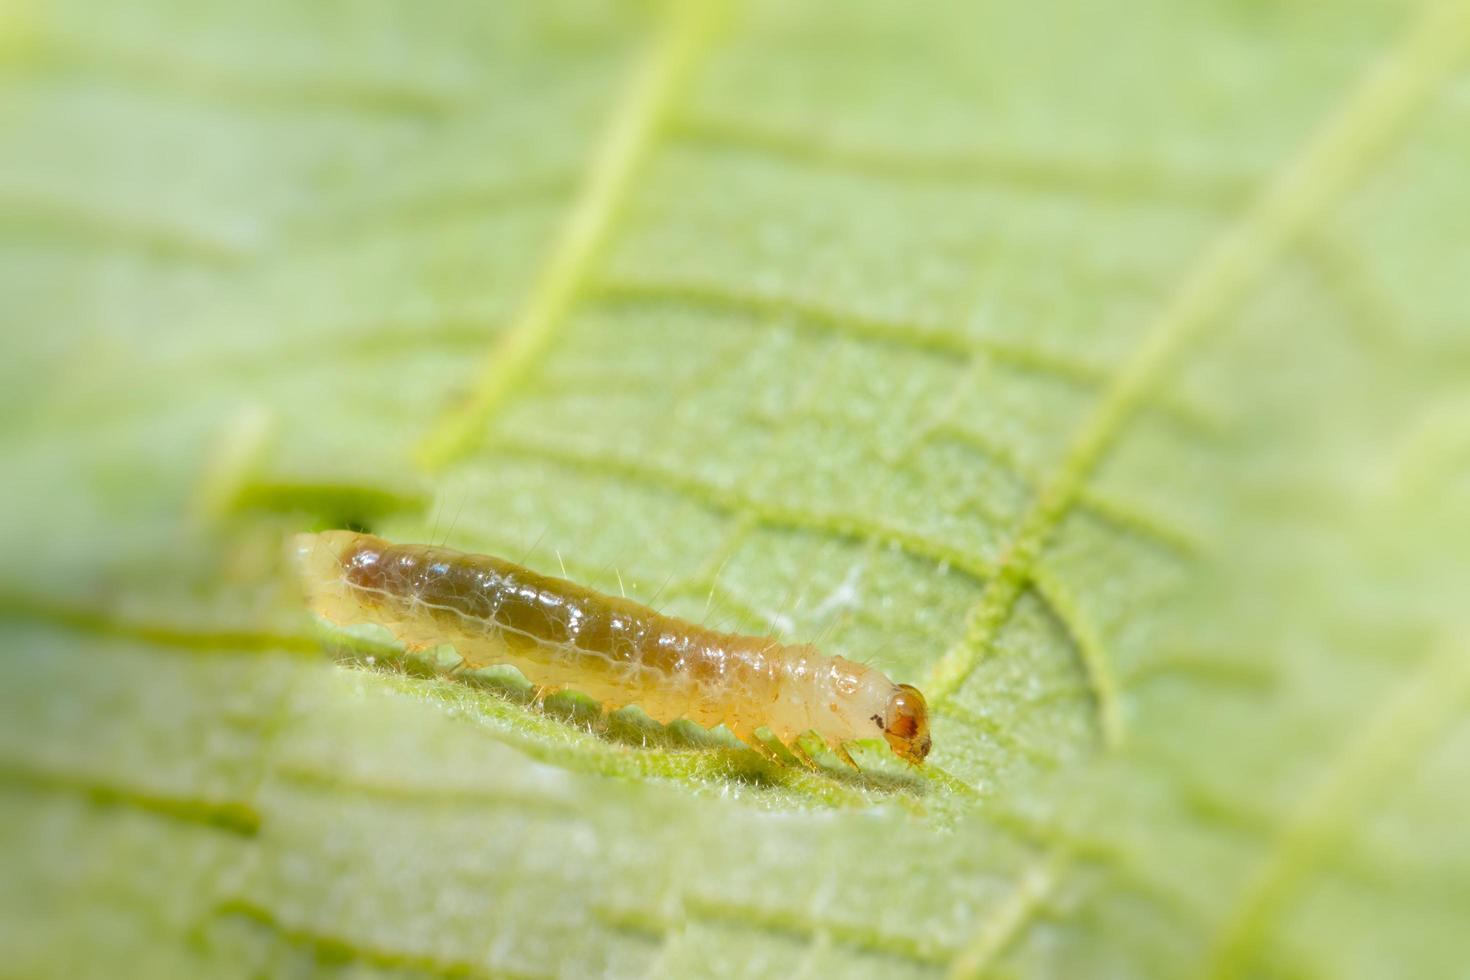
563	635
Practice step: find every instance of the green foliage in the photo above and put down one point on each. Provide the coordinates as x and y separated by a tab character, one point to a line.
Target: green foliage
1099	368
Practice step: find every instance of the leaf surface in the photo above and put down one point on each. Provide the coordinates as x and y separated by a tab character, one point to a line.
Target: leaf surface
1101	371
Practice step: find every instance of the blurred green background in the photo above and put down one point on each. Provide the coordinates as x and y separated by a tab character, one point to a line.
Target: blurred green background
1100	368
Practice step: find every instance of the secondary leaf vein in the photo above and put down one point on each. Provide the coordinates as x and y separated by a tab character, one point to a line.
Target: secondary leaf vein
634	129
1327	167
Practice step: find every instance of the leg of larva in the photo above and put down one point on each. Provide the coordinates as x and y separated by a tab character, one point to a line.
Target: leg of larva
843	754
778	751
763	750
798	750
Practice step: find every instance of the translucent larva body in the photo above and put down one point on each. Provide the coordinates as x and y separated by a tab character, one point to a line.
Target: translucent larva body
563	635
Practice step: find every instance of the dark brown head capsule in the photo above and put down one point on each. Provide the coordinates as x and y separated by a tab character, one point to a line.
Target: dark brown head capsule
906	724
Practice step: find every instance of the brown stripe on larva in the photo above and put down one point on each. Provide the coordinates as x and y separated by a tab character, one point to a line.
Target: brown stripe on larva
561	634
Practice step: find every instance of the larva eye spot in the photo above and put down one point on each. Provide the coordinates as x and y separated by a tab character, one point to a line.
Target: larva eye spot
906	724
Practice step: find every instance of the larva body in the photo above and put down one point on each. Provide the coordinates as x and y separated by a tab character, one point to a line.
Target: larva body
563	635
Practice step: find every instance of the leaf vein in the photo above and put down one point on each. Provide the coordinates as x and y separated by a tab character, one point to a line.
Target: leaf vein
732	502
1377	754
1333	160
233	816
636	125
357	949
1002	926
904	334
1094	659
1104	179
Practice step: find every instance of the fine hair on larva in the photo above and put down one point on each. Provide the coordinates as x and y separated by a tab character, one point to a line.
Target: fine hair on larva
562	635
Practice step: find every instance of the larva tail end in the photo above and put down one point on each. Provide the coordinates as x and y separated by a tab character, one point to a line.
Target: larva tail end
318	560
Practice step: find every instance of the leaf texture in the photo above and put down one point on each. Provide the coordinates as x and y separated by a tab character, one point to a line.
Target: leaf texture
1099	369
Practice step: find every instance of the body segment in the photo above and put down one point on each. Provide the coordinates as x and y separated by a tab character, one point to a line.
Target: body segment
563	635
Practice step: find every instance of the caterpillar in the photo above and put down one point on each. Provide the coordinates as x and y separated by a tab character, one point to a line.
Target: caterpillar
563	635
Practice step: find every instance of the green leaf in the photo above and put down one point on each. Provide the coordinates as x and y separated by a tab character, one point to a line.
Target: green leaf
1099	369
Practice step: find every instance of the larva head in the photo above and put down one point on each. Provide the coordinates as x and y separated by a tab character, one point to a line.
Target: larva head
906	724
